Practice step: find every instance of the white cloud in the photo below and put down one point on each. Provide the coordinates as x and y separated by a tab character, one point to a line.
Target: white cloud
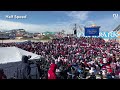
108	24
82	18
8	25
79	15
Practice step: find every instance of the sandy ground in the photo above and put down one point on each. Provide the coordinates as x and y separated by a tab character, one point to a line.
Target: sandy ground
10	41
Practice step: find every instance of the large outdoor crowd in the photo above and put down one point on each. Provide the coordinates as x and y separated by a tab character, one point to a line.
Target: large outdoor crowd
74	58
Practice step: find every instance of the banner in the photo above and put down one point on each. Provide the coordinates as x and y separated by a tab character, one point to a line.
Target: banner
92	31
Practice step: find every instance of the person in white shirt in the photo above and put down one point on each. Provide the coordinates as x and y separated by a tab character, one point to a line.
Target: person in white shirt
91	70
104	60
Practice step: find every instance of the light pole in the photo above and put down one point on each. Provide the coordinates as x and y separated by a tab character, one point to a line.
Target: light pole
75	30
2	37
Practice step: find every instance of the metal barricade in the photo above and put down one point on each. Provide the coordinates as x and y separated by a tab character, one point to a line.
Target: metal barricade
16	72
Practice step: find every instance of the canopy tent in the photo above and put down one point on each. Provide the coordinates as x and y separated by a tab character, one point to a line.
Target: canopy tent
14	54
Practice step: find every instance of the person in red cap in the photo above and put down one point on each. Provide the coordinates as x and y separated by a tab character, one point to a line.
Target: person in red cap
51	71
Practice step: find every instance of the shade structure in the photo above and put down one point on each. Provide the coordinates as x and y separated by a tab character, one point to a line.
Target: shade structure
14	54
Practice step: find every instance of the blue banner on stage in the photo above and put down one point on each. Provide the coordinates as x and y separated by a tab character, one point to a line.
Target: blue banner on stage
92	31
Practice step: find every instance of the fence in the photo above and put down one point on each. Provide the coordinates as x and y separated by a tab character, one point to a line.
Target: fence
14	71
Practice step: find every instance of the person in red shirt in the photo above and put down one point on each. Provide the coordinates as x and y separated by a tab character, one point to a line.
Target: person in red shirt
51	71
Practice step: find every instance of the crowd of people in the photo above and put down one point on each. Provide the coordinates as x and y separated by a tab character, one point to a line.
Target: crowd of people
75	58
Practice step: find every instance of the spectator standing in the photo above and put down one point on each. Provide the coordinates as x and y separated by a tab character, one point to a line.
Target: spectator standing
2	75
26	69
51	71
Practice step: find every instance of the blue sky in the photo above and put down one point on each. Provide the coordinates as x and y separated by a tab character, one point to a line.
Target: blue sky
40	21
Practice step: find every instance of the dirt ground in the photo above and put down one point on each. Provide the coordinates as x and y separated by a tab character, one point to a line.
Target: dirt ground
10	41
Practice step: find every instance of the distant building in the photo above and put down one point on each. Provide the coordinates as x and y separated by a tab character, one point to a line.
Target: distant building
47	32
4	36
36	38
19	36
28	35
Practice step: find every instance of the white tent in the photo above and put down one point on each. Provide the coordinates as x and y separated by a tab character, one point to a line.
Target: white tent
14	54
